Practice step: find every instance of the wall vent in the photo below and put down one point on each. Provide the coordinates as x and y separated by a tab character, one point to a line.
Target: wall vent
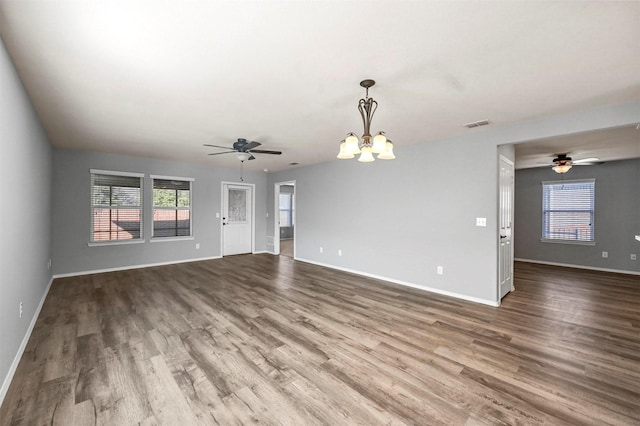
477	124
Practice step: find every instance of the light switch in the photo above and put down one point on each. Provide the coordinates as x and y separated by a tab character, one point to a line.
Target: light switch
217	215
481	221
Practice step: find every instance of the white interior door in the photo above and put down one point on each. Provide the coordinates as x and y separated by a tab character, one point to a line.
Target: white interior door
505	255
237	219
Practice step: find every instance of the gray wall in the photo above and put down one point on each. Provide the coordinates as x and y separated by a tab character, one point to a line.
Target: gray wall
617	217
400	219
25	212
72	219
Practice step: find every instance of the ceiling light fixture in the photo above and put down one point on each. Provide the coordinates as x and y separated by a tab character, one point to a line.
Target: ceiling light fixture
562	164
379	144
243	156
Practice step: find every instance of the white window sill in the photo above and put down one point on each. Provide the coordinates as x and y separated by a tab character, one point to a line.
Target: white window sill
114	243
573	242
167	239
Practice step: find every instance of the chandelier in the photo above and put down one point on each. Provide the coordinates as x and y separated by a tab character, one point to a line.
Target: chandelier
379	144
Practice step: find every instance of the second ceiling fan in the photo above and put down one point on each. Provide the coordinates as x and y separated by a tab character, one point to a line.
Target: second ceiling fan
563	163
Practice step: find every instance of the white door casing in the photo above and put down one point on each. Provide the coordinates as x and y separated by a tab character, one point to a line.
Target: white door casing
505	211
237	218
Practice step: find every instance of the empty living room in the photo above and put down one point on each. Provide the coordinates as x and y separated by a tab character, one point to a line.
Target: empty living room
319	213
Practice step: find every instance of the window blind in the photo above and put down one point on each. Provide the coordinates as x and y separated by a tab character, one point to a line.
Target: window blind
568	210
116	207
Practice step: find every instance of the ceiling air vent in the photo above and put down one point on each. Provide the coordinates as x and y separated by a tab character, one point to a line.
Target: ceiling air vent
477	124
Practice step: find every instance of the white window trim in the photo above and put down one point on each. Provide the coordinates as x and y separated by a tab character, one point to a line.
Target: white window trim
571	242
155	239
91	207
114	173
171	178
167	239
114	242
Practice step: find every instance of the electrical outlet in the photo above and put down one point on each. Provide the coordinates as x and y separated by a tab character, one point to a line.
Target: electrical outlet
339	252
634	256
21	309
197	246
321	249
481	221
605	254
440	270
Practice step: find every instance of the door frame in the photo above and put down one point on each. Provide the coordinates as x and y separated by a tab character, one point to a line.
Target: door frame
512	209
253	213
276	216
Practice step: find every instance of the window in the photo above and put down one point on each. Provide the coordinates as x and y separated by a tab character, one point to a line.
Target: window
286	209
171	207
568	211
116	206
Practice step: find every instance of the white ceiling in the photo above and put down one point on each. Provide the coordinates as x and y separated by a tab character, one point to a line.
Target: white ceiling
161	78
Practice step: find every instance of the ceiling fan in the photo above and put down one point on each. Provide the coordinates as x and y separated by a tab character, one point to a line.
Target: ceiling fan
244	150
563	163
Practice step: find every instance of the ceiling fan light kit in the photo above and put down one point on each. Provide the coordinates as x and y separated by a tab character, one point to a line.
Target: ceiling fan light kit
244	156
562	169
562	164
379	144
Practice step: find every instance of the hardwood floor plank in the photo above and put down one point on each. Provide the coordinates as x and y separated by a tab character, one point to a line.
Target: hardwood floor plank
166	400
261	339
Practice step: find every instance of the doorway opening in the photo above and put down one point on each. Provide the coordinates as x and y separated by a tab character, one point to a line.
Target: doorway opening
285	219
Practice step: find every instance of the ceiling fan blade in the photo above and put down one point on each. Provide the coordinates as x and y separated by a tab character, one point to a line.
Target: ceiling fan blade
216	146
588	163
262	151
224	152
587	160
250	146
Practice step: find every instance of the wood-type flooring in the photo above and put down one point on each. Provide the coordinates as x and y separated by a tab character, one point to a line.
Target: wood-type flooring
262	339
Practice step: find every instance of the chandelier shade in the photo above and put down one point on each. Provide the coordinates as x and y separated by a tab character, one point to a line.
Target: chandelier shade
367	155
380	145
387	154
344	153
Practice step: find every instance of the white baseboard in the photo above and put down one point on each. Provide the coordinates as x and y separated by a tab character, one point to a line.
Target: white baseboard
124	268
16	360
405	283
260	252
569	265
